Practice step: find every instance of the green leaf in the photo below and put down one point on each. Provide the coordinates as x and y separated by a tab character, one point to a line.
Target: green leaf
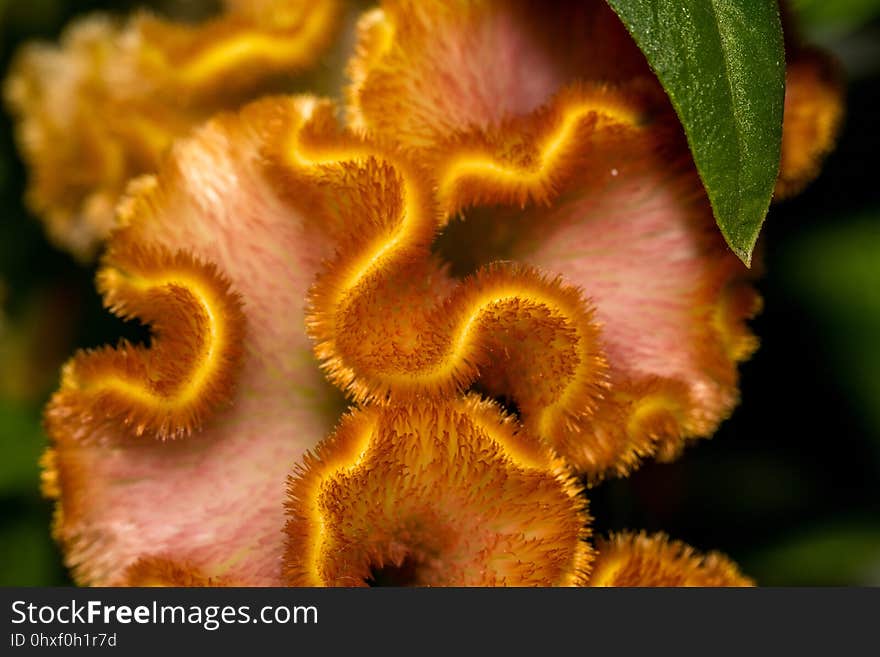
722	63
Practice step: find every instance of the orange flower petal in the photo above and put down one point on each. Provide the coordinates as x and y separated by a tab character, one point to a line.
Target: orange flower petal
641	560
434	495
205	244
106	104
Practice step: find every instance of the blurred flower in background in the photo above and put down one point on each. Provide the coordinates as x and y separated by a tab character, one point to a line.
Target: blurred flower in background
789	487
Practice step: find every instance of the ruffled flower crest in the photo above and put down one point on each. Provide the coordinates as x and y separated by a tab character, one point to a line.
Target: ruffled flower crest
543	238
580	169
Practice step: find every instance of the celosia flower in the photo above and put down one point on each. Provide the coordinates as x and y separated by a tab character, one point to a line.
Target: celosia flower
105	105
275	240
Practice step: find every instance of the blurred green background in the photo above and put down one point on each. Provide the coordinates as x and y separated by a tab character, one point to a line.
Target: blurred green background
789	486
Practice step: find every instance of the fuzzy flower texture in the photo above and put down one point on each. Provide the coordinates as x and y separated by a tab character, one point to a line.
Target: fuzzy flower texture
395	337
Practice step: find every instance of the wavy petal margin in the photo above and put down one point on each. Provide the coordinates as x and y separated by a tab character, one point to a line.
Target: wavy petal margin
609	201
654	560
630	224
105	105
178	452
389	326
165	391
431	494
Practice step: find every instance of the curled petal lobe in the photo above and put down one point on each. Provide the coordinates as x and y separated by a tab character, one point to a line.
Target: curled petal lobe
105	105
165	391
527	160
389	325
654	560
207	242
433	494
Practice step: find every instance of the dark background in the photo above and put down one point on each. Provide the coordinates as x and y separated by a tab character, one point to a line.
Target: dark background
789	486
